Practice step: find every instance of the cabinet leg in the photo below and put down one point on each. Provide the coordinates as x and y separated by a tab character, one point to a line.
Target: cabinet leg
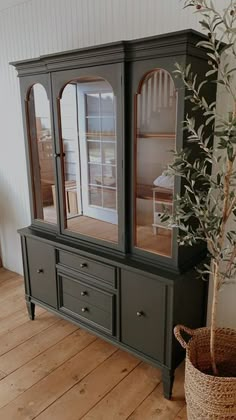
168	380
31	309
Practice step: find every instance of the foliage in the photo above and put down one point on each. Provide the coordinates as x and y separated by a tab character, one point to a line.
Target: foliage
207	209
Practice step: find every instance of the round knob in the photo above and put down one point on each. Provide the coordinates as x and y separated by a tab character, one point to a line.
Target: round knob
56	155
139	313
84	309
83	265
40	270
83	293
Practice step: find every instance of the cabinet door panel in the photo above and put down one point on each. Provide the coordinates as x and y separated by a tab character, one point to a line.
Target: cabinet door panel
41	263
143	314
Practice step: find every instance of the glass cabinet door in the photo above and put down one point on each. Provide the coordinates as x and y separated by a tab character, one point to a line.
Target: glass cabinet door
89	143
41	155
155	135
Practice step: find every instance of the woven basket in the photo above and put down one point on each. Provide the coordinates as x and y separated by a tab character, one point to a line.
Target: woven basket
209	397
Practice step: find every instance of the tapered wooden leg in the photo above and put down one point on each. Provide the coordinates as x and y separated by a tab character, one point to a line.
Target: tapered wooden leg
31	309
168	380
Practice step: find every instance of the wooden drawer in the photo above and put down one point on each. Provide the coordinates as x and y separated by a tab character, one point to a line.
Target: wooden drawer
42	277
88	266
143	314
96	308
86	293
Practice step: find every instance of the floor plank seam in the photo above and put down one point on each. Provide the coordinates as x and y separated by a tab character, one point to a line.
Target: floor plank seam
141	402
82	379
184	403
25	341
3	374
43	351
10	402
110	390
26	359
14	328
23	323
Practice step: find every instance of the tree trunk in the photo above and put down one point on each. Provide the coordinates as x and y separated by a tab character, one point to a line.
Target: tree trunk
213	316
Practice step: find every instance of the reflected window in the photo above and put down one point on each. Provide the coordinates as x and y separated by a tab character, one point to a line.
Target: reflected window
155	138
88	131
42	155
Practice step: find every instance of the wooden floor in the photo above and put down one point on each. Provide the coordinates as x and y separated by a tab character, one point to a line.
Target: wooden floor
52	370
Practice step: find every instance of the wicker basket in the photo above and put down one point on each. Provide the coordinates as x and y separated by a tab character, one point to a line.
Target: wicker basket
209	397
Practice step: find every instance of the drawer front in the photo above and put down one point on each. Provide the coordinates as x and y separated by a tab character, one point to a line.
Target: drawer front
86	311
88	266
41	264
143	314
87	294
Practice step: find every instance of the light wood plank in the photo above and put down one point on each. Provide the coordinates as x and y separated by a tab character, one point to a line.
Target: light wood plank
2	375
25	331
37	398
11	287
127	395
37	344
6	275
12	305
16	319
182	415
155	407
65	375
83	396
35	370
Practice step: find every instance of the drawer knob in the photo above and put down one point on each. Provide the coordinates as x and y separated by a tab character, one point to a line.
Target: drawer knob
83	265
56	155
84	309
139	313
40	271
83	293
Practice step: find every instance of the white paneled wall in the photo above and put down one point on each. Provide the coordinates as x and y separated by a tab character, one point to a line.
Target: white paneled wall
29	28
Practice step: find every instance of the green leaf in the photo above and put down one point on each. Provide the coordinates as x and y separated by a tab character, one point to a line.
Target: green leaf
204	24
210	72
226	47
231	70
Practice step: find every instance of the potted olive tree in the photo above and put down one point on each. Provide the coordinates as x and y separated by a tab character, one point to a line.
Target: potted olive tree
207	212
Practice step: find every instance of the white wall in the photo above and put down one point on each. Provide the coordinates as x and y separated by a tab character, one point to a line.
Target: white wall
29	28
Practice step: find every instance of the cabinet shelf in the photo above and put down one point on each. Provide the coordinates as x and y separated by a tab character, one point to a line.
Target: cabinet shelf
170	136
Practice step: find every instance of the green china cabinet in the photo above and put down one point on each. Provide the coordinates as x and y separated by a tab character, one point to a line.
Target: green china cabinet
100	123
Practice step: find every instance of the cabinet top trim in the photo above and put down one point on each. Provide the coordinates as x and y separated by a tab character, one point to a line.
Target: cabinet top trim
170	44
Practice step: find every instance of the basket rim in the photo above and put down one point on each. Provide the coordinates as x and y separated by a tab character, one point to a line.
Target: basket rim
197	332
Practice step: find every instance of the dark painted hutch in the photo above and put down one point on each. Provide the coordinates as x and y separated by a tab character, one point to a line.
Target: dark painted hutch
99	126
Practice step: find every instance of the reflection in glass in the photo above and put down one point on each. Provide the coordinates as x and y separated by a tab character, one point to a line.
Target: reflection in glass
95	174
109	153
88	122
42	154
109	176
95	196
155	138
93	125
94	152
109	198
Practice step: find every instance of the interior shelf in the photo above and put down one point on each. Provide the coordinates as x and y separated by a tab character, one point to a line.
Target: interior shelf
170	136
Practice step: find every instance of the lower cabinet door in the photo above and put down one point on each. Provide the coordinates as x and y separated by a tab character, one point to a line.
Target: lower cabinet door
41	265
143	314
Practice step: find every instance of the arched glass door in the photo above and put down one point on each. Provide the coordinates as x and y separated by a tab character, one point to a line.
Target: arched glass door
89	142
155	137
41	154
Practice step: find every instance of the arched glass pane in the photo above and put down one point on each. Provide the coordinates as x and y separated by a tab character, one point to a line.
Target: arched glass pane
155	138
41	155
88	125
